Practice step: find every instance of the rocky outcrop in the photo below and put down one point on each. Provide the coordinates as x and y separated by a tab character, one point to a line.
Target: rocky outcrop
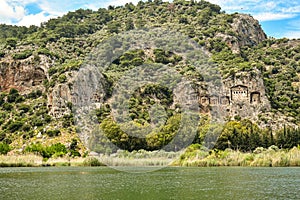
25	75
242	95
246	32
58	100
84	92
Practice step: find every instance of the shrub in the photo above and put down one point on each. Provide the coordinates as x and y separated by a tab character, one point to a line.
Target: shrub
47	118
62	78
74	153
24	108
7	106
73	148
37	122
53	133
2	99
22	55
92	162
4	148
2	135
13	95
26	127
44	51
35	94
2	54
57	149
35	148
14	126
12	42
52	71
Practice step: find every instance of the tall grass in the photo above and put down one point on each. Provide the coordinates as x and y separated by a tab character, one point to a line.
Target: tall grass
139	158
21	161
270	157
31	160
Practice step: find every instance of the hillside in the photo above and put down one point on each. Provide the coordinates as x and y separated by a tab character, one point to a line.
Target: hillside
259	99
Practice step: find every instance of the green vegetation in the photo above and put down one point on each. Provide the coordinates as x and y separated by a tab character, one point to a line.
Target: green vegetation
260	157
4	148
22	55
26	121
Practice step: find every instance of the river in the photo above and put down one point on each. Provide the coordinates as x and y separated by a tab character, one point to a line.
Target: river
167	183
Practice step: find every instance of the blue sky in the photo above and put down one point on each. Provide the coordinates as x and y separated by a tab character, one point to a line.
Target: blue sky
279	18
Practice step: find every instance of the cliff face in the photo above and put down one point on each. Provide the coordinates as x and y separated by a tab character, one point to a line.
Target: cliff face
25	75
240	96
246	31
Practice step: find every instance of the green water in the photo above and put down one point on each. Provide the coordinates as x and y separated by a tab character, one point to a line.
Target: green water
167	183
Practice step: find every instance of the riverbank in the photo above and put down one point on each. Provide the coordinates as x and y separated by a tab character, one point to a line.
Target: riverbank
30	160
194	156
260	157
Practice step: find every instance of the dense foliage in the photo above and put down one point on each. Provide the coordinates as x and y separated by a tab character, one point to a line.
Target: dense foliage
68	39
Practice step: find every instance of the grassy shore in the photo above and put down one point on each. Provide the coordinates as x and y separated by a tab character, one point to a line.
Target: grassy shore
271	157
193	156
38	161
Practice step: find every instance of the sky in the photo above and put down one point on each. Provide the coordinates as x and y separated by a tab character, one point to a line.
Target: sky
279	18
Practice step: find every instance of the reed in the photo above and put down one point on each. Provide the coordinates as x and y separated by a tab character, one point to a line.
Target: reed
271	157
21	161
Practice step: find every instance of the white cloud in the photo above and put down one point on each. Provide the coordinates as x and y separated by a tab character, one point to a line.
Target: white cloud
9	13
292	34
56	8
268	16
95	5
295	9
34	19
263	10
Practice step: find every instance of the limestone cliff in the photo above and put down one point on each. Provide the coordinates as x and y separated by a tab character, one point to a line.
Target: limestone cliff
240	96
25	75
246	31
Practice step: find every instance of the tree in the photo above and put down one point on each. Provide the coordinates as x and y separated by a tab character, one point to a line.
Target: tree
113	27
11	42
129	25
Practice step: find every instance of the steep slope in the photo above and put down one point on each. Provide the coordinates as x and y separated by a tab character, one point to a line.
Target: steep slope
41	63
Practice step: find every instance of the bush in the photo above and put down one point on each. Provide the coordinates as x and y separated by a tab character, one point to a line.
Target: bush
35	148
74	153
45	51
14	126
13	95
53	133
22	55
4	148
12	42
2	54
62	78
2	135
35	94
23	108
7	106
57	149
92	162
37	122
2	99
